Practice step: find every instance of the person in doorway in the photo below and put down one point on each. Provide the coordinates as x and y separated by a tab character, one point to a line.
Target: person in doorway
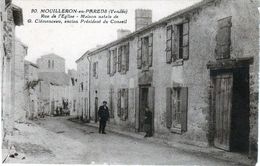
103	114
148	122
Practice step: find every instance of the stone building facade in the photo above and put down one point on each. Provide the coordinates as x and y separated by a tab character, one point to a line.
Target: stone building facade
11	16
51	63
33	102
83	87
55	82
197	71
72	90
19	107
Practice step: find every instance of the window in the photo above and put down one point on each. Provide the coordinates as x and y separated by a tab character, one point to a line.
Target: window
122	104
81	86
112	62
74	105
145	52
95	67
118	60
176	109
223	39
111	102
49	64
53	64
177	42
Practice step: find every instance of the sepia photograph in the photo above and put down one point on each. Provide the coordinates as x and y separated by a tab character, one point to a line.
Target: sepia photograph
142	82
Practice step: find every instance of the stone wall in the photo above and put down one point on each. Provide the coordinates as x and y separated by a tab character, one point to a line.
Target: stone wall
192	73
57	63
19	108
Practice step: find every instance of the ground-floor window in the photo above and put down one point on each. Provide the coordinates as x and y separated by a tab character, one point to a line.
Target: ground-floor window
122	104
177	108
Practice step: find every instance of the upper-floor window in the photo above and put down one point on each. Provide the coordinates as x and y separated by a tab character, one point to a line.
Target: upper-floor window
52	64
145	52
177	42
223	38
123	58
118	60
112	62
95	69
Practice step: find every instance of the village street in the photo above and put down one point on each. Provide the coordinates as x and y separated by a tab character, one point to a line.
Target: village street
58	140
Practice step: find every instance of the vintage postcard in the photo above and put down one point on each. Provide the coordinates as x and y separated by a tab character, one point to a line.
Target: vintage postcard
143	82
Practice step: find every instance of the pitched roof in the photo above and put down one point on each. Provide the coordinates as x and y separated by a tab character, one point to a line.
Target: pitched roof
56	78
150	26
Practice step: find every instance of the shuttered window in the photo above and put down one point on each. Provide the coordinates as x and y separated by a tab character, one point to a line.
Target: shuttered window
108	62
176	109
95	67
169	44
145	52
223	38
122	104
111	103
114	60
123	58
177	42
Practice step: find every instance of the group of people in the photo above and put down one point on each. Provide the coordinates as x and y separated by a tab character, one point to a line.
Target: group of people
103	114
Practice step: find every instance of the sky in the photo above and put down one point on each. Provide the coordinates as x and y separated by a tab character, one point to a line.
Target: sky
71	41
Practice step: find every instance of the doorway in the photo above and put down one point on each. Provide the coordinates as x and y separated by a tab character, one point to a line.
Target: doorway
146	98
96	109
231	109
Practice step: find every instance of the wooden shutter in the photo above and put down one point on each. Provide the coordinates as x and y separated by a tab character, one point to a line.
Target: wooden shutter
94	69
119	59
175	43
168	107
223	39
151	93
108	61
184	108
126	104
150	50
127	57
137	100
111	103
185	38
169	44
139	53
114	60
119	103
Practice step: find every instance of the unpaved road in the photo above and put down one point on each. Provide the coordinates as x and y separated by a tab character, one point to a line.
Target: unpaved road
57	140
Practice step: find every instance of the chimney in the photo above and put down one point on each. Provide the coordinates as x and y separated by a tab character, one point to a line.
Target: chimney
143	17
122	33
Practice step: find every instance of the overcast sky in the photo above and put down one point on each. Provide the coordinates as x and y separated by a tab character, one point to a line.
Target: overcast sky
70	41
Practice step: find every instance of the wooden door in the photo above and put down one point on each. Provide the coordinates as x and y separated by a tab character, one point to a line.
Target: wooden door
223	85
151	92
96	109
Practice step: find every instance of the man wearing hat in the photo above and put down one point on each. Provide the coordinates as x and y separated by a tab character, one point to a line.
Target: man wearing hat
103	114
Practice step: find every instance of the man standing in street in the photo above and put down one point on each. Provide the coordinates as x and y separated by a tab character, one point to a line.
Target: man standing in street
103	114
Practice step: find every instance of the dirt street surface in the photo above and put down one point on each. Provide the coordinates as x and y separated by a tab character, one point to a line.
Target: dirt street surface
57	141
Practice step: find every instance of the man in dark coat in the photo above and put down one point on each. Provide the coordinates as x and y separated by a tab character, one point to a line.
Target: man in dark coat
103	114
148	122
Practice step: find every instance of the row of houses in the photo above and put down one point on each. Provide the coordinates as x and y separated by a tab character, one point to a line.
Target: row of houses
196	69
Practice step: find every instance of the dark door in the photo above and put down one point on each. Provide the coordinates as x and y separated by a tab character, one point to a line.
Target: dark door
146	98
52	107
223	84
96	109
231	108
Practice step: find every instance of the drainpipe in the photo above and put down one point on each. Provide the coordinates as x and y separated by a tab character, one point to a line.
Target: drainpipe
89	79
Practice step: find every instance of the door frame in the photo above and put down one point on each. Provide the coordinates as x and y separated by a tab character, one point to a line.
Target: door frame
149	87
